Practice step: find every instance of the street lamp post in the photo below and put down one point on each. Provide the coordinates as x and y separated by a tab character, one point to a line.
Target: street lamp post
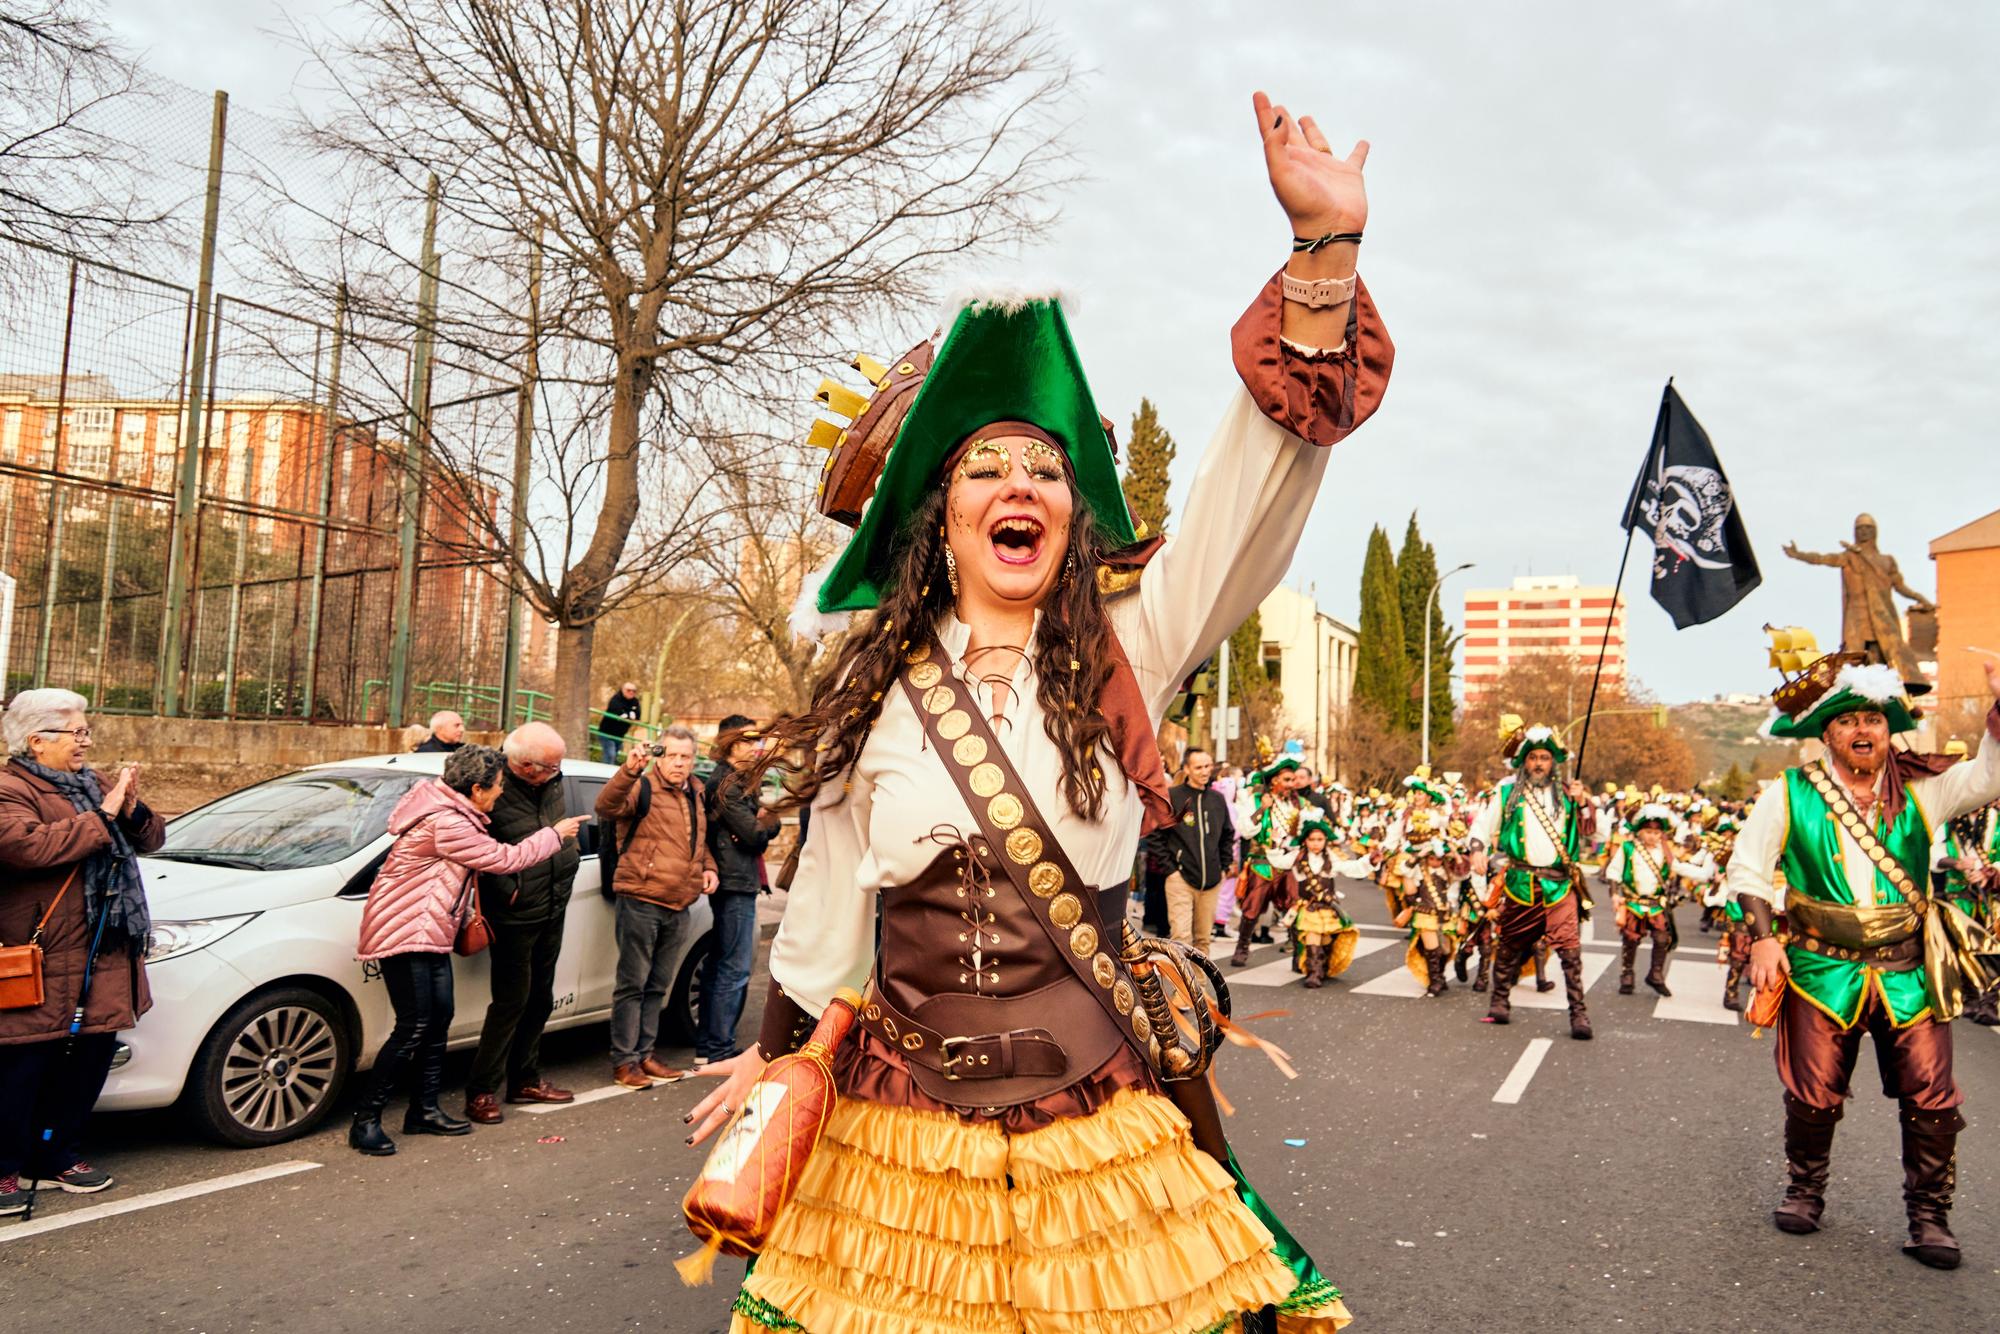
1429	598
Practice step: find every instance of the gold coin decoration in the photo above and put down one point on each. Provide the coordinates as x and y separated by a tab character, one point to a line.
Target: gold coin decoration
1121	995
925	675
1065	911
1103	969
917	654
938	698
954	725
1005	810
1083	941
969	750
1045	879
986	780
1024	846
1142	1027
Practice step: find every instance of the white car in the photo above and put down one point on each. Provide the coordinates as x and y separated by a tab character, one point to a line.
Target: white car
260	1011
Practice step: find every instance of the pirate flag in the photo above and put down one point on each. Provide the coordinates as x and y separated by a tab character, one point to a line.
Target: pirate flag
1702	562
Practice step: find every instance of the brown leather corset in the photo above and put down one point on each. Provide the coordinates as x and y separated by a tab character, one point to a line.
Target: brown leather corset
968	987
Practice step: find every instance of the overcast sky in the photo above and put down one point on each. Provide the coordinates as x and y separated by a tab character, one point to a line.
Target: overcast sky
1793	211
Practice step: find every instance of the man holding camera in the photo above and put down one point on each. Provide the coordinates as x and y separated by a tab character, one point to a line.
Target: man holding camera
656	808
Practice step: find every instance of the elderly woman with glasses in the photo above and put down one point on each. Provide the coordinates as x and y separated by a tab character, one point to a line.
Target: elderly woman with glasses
68	881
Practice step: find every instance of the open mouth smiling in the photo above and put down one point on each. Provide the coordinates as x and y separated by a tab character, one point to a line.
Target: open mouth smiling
1017	539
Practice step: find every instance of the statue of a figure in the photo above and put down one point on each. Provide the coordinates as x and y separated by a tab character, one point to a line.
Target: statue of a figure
1868	619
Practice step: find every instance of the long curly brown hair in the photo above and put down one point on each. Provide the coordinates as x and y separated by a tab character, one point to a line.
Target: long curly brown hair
1072	655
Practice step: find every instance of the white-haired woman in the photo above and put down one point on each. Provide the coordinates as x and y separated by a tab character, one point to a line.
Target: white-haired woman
68	879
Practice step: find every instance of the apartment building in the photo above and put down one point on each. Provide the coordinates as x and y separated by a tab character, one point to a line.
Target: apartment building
1539	614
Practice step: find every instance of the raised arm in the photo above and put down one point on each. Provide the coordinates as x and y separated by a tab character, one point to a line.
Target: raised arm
1810	557
1313	369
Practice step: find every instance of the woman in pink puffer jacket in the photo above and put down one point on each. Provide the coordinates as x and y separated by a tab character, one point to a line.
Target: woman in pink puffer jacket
411	918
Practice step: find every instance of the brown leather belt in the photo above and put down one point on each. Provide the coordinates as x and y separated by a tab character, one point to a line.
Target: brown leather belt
1899	957
1018	1051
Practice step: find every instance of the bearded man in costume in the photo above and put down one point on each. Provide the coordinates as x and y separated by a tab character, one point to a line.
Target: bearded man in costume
1870	950
1533	826
1641	873
980	759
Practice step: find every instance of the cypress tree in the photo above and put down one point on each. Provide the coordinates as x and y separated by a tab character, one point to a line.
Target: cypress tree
1381	670
1416	571
1148	456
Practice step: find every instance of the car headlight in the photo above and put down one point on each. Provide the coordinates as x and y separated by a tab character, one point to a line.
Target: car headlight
171	938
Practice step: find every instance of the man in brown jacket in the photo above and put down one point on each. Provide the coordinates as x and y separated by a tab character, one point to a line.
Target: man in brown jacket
659	818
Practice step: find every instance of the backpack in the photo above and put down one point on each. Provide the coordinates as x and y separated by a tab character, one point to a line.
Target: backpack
610	847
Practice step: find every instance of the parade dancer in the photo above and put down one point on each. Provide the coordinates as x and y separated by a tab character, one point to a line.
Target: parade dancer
1534	827
1427	911
1642	872
1277	822
1964	870
1323	934
1733	950
1870	951
980	758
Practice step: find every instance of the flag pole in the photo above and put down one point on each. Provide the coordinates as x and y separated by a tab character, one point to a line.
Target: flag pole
1576	770
1610	612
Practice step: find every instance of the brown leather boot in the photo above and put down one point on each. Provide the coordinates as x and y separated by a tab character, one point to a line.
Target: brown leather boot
1435	961
1732	987
1506	969
1543	982
1579	1017
1317	958
1479	979
1240	956
1808	1153
1656	976
1628	954
1930	1171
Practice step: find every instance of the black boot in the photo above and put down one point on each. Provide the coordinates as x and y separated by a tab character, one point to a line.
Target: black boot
1732	986
1543	982
1628	954
1808	1155
1506	969
1985	1007
1579	1017
366	1134
425	1117
1479	979
1458	960
1930	1171
1656	976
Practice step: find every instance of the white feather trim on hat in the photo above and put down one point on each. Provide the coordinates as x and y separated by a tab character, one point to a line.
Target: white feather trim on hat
1539	733
807	620
1764	728
1653	810
1872	681
1003	296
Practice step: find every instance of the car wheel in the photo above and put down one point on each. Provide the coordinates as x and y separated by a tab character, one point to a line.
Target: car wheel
271	1069
683	1004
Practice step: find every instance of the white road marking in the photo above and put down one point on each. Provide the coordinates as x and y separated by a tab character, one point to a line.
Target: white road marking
1697	989
173	1195
1525	995
1278	972
588	1095
1398	981
1524	1069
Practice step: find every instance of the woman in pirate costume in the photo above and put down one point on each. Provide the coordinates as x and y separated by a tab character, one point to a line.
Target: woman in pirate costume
1277	816
1641	873
1429	874
1323	934
1016	1147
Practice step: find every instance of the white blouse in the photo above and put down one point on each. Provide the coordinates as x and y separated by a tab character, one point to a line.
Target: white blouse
1245	514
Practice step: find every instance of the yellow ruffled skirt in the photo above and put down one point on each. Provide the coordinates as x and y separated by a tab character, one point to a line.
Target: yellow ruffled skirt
915	1222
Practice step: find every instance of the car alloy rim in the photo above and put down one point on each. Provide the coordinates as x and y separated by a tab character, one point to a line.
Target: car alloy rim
280	1068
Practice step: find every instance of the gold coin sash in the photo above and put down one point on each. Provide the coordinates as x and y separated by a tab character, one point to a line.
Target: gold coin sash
1030	857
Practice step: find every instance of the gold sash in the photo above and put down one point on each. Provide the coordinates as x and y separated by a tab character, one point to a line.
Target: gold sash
1953	942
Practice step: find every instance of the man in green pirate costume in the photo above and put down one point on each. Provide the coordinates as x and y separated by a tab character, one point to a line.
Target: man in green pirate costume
1277	817
1870	951
1734	950
1641	872
1533	827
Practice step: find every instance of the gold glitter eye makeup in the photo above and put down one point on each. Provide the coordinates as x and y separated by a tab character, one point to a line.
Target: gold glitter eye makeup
1044	464
985	461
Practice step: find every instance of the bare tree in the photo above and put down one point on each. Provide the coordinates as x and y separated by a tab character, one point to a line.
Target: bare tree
65	181
716	190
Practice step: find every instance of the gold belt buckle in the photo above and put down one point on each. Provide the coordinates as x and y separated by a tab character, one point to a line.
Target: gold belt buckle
948	1060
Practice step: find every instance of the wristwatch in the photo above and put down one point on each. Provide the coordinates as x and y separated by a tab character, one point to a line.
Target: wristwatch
1319	294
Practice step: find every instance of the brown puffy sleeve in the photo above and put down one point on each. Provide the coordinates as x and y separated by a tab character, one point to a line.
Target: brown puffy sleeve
1319	397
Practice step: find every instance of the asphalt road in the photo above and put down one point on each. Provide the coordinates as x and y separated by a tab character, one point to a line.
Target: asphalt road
1628	1188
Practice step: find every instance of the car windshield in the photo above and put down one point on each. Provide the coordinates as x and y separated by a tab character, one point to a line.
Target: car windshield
304	819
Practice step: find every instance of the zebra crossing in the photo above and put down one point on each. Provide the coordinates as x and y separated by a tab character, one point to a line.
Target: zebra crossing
1377	970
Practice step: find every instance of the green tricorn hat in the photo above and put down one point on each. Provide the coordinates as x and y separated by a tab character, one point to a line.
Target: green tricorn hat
1007	358
1652	813
1838	683
1534	738
1321	825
